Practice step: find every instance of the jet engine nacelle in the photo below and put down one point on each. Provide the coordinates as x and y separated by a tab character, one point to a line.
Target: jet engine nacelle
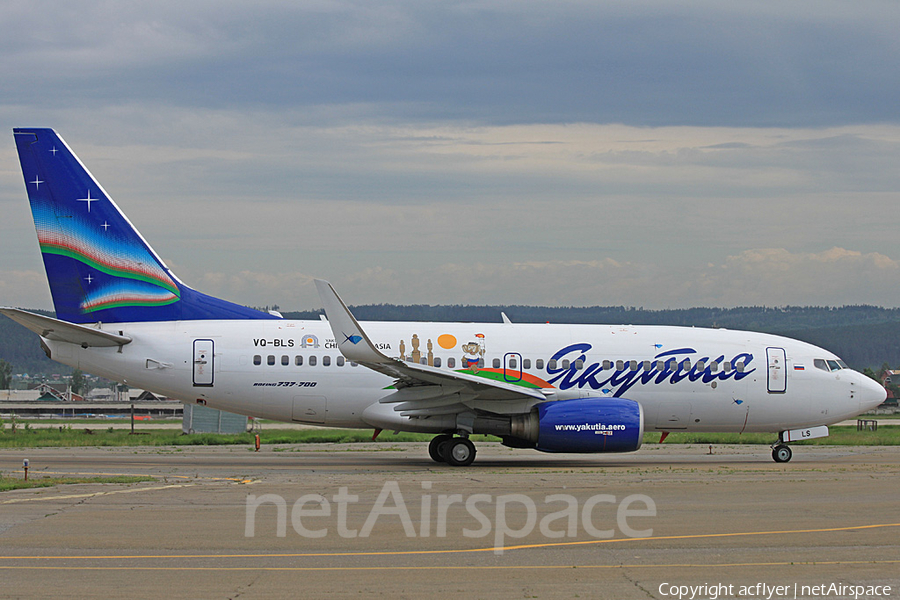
580	425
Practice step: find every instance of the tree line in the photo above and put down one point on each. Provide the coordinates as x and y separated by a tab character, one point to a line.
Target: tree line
864	336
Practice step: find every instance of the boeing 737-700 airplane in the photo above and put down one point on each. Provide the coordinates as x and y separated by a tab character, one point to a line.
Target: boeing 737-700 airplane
122	314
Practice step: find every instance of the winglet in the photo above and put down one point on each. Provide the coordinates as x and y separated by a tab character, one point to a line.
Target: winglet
352	341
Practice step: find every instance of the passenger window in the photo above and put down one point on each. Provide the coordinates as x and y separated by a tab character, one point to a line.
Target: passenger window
713	367
740	367
632	366
285	360
607	365
620	366
480	363
551	364
496	363
579	365
326	361
312	361
565	363
298	360
451	363
339	361
257	360
647	365
670	364
437	362
526	363
270	359
539	363
512	363
700	365
726	366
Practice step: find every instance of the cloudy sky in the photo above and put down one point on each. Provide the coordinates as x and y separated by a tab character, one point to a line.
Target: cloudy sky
645	153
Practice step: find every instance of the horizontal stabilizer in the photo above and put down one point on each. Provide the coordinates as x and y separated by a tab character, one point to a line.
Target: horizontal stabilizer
61	331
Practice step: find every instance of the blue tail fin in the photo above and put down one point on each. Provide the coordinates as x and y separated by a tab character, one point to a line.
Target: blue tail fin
99	266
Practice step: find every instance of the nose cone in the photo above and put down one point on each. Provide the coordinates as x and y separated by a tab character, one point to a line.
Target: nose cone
871	394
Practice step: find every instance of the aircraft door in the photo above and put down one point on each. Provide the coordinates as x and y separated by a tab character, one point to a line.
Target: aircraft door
777	370
512	366
204	363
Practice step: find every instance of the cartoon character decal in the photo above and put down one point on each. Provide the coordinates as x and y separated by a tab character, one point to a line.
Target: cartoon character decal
473	352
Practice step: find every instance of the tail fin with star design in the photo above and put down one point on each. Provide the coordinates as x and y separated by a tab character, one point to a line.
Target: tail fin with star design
98	265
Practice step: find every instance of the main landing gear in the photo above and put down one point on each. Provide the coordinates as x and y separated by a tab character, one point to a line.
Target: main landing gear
455	451
781	452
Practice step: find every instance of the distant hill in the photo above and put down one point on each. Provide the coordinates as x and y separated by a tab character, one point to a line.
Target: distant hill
22	349
864	336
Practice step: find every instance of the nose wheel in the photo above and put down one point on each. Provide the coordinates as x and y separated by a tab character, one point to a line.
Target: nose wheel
781	453
455	451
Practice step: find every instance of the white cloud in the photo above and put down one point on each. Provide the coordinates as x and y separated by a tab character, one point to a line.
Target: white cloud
477	151
766	276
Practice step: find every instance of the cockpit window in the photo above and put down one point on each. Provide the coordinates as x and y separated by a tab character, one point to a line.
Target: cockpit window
829	365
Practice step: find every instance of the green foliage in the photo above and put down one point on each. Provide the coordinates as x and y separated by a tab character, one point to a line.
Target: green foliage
13	483
69	437
861	335
5	375
864	336
22	348
77	382
838	436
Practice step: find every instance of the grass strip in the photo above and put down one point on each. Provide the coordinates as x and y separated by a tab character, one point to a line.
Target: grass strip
38	437
18	483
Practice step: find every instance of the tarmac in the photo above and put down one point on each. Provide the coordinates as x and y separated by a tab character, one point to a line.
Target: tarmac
382	519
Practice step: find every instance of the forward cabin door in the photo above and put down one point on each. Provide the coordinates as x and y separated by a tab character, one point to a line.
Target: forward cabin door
204	363
777	370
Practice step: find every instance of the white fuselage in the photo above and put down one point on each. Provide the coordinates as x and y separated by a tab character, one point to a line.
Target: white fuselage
686	379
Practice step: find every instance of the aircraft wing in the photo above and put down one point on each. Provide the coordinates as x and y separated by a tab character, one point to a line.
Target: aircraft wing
62	331
421	389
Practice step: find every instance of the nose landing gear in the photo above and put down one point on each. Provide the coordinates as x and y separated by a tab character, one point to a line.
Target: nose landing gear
455	451
781	453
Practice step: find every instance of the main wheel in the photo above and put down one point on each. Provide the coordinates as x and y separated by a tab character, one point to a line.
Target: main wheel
459	452
781	453
434	447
